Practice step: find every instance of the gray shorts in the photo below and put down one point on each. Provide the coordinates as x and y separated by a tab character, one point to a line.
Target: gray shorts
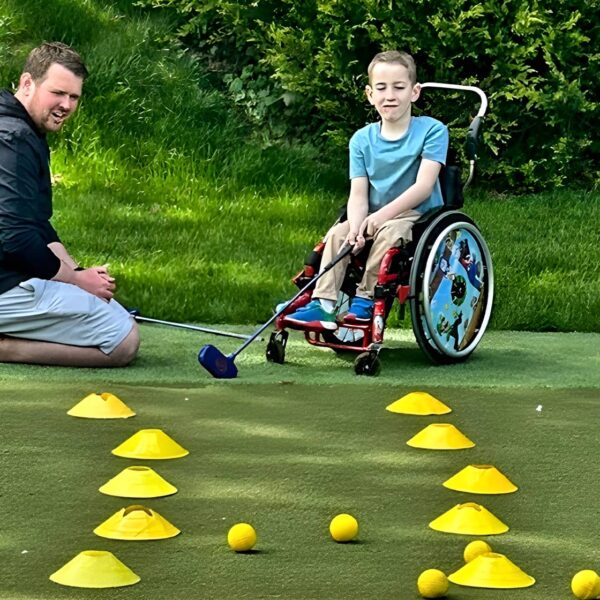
52	311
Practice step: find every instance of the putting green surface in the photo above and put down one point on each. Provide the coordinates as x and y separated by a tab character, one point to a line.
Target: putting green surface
286	448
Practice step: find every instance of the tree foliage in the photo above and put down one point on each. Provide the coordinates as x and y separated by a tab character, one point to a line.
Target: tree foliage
298	68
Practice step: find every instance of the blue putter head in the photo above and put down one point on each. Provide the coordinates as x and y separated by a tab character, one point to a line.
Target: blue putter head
216	363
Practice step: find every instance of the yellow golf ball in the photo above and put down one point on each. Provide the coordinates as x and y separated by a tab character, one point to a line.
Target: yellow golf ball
474	549
241	537
432	583
343	528
586	584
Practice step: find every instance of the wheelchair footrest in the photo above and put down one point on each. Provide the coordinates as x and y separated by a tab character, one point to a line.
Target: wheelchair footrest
352	338
317	326
353	321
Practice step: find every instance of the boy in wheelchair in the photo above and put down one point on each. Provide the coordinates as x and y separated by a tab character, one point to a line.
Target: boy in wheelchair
394	173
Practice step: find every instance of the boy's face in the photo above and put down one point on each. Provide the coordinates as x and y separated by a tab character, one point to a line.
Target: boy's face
391	92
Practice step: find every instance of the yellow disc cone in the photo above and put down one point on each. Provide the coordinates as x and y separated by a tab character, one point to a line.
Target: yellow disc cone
136	523
95	569
101	406
481	479
440	436
469	519
150	444
138	482
492	570
418	403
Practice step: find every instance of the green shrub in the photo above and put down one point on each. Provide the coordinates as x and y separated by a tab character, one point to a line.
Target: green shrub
298	67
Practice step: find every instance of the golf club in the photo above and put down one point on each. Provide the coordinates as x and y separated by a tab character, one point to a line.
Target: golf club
223	367
136	315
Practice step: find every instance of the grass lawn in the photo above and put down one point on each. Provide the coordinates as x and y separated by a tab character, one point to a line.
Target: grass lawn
288	447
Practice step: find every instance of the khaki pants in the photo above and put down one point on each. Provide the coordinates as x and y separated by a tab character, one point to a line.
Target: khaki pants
388	236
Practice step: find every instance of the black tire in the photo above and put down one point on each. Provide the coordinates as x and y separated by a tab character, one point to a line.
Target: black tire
367	363
275	351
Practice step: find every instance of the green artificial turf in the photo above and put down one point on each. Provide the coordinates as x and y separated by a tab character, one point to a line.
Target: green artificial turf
286	447
168	357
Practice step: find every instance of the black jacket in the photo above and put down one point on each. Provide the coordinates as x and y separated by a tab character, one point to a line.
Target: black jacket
25	198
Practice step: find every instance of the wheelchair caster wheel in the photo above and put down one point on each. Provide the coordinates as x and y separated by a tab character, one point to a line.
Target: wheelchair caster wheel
276	347
367	363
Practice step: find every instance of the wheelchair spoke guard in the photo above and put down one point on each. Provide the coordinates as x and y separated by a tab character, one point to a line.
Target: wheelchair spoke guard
453	287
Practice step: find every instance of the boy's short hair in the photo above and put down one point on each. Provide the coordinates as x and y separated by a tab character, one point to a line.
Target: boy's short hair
40	59
400	58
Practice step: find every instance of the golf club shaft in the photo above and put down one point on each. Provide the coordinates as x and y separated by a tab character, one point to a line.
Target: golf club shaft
344	251
192	327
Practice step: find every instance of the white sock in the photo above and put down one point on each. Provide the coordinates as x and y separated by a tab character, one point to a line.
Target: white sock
328	305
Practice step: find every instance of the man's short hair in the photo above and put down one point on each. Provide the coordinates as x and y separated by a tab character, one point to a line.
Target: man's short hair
40	59
400	58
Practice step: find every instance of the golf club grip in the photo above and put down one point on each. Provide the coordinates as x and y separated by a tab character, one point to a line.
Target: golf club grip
344	251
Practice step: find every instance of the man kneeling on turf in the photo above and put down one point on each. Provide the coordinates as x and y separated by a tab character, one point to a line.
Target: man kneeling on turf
52	311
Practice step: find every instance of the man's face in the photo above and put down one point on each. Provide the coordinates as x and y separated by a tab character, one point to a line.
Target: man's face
52	100
391	92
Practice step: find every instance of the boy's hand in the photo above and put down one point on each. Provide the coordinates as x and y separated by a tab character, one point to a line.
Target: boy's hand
355	240
370	226
350	238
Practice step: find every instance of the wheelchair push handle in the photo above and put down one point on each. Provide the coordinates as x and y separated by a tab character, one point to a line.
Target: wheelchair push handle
473	134
462	88
473	138
475	126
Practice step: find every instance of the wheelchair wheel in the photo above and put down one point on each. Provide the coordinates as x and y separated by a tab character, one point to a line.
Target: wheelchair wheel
367	363
275	351
452	284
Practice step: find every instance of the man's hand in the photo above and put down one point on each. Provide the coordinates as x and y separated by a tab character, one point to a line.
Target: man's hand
97	281
103	272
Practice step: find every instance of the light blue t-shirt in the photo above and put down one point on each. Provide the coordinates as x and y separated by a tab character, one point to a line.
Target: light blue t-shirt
392	165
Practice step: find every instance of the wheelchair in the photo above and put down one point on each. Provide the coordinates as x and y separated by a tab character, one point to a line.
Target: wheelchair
444	274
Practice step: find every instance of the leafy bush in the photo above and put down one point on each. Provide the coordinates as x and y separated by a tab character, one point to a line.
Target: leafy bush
298	67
